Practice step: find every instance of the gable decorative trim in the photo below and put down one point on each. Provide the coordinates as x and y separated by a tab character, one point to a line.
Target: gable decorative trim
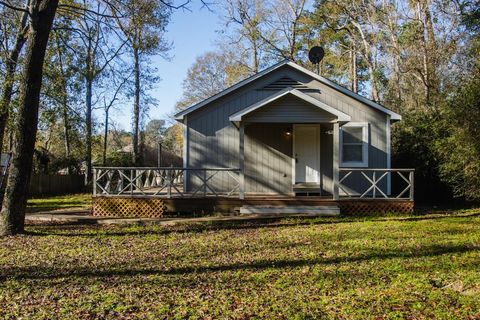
341	117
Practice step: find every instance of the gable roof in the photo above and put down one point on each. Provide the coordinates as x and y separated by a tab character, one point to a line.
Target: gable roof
393	115
341	117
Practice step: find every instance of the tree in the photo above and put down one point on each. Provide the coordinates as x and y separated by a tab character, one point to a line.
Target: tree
210	73
106	107
154	132
60	112
247	16
268	30
459	144
143	25
42	14
284	28
459	148
95	50
10	68
342	61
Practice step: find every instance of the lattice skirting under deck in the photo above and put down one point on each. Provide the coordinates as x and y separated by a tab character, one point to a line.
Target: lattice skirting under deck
120	207
127	207
375	206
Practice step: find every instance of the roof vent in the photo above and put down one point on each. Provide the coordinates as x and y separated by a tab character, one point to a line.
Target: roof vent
283	83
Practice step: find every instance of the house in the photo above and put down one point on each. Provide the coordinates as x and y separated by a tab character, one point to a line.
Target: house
289	131
285	138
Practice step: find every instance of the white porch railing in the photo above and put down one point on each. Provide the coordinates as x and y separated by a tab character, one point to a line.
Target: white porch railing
167	181
376	183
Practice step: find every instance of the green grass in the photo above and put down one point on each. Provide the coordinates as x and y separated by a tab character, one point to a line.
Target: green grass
409	267
66	202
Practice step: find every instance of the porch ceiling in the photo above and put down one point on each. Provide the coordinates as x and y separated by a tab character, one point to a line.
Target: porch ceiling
336	115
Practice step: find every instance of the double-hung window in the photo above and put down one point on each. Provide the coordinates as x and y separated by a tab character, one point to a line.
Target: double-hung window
354	144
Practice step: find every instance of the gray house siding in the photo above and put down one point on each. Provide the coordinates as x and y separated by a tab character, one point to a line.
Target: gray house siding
268	158
290	110
213	141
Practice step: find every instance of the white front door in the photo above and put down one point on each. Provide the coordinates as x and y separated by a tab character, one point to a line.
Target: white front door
306	151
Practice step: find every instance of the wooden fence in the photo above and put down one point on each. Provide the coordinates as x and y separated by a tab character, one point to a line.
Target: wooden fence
42	184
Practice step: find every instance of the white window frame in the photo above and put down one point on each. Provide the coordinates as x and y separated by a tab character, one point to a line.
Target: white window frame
365	140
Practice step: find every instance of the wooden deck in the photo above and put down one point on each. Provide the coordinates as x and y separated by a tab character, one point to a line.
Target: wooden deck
223	204
136	206
139	192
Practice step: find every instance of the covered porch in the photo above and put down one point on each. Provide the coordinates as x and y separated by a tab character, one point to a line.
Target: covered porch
289	145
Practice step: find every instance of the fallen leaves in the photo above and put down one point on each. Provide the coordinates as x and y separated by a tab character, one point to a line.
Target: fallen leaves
292	268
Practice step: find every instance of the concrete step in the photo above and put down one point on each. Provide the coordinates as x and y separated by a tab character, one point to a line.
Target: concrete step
305	210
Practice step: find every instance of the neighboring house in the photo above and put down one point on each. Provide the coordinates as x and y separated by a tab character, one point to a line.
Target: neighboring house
289	131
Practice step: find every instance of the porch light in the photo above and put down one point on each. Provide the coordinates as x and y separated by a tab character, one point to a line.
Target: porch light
288	132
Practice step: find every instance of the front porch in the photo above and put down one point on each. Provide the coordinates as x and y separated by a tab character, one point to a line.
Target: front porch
153	192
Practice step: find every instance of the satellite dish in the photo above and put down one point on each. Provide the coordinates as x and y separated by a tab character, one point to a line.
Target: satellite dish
315	55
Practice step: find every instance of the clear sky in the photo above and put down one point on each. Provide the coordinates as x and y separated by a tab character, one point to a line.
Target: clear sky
192	33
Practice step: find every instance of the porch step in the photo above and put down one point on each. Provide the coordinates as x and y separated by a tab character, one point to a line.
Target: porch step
307	189
278	210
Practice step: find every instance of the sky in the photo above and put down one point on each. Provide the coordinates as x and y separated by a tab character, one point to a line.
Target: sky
192	33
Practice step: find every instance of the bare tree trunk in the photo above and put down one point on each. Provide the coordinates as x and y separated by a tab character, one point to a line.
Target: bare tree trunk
427	72
426	77
430	53
369	61
373	81
88	129
136	109
397	75
105	136
353	68
66	130
255	57
11	65
12	216
66	120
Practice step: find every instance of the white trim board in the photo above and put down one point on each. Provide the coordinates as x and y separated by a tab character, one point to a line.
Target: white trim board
393	115
186	153
388	137
365	145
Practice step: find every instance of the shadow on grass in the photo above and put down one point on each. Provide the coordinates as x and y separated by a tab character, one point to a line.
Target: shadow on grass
198	227
40	272
49	203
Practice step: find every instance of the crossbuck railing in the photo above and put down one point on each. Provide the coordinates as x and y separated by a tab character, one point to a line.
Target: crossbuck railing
166	181
376	183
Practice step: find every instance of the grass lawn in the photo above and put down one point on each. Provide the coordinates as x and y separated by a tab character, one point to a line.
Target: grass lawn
66	202
414	267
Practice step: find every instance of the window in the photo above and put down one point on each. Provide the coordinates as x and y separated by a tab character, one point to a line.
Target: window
354	145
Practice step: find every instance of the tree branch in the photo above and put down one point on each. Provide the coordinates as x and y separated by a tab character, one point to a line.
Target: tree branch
10	6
